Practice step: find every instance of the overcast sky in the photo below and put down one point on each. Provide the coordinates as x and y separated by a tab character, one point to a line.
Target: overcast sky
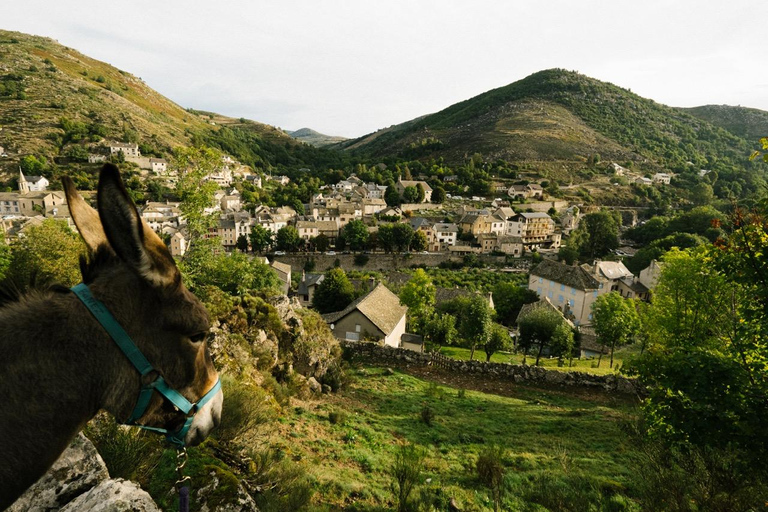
351	67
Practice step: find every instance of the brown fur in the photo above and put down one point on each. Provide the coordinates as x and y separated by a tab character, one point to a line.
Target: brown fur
58	367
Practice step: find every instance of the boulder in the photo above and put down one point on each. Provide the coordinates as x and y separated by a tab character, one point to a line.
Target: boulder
314	386
113	496
223	493
78	470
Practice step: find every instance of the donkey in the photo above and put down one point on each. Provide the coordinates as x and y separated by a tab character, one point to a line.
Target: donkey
58	365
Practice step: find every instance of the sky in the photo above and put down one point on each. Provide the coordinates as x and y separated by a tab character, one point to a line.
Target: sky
350	67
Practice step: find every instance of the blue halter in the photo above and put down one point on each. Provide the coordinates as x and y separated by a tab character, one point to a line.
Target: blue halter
135	356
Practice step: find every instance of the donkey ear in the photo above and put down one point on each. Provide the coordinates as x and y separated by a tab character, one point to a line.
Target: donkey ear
86	218
130	237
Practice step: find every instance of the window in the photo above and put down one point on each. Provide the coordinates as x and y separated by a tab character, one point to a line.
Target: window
573	291
549	294
562	287
357	327
541	280
538	290
559	298
590	316
595	294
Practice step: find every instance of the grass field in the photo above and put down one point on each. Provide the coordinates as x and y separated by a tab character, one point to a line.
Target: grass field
582	365
561	447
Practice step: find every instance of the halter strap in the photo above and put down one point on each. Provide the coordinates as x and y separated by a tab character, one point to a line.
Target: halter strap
143	366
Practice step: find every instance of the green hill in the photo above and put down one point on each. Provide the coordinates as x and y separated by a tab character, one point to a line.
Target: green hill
748	123
560	115
314	138
55	101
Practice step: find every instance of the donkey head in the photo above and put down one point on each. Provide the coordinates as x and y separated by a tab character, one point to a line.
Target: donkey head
141	285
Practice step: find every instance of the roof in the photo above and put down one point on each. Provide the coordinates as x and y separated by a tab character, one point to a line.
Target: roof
575	277
33	179
613	269
444	227
309	280
413	183
543	303
534	215
380	306
281	267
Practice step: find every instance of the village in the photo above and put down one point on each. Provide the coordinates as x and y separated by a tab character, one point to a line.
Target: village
521	221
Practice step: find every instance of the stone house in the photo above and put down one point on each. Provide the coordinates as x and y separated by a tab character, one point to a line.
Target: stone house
445	235
401	185
572	289
158	165
129	149
32	183
307	229
283	271
377	315
532	190
178	245
536	229
307	287
662	177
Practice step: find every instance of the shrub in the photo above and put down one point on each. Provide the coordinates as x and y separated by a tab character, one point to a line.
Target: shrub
427	415
245	409
361	260
406	471
127	451
337	376
462	393
337	417
490	471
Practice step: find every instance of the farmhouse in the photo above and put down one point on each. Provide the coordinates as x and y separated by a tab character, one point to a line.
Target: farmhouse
127	148
377	315
401	185
573	290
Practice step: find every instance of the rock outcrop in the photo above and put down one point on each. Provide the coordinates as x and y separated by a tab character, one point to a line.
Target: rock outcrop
79	481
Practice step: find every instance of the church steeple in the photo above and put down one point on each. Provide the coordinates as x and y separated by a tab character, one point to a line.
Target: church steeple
23	185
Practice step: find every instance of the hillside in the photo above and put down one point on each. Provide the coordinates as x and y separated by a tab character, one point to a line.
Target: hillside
559	115
54	101
748	123
314	138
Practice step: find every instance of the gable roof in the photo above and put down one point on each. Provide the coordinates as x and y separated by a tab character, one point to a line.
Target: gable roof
613	269
575	277
309	280
380	306
282	267
543	303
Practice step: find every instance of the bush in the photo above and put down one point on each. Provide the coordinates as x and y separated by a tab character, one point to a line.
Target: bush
337	417
427	415
490	471
337	376
245	409
361	260
127	451
406	471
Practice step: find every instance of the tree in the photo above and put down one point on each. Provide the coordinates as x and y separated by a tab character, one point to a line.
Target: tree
49	250
598	234
235	273
475	326
418	294
410	195
402	234
498	340
420	194
321	243
334	293
438	195
562	342
615	321
392	196
419	241
5	258
537	329
261	238
196	192
702	194
356	235
386	237
242	243
508	299
441	330
288	239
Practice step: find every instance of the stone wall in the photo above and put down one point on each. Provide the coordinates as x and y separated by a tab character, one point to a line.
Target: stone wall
516	372
377	261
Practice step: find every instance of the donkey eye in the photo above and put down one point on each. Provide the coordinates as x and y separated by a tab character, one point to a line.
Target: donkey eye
197	338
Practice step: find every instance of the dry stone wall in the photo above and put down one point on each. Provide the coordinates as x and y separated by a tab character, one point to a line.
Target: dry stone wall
516	372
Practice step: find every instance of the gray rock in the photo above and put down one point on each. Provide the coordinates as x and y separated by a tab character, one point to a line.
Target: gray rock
79	469
113	496
314	386
239	500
